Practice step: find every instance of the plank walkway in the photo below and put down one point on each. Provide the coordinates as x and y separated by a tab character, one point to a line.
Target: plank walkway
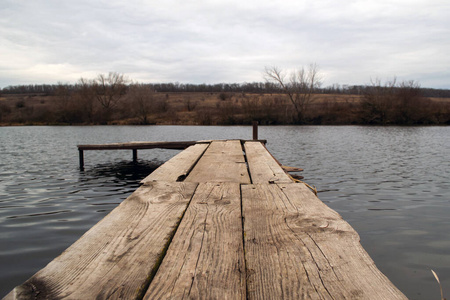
220	220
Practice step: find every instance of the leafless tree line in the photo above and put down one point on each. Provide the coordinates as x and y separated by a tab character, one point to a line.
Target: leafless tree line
396	103
246	87
103	99
114	99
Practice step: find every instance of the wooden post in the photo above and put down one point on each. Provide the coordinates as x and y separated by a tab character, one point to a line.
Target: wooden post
135	155
81	154
255	130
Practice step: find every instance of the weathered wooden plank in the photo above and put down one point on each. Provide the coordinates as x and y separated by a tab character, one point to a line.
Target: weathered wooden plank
298	248
225	148
263	168
223	161
115	258
291	169
206	257
138	145
179	166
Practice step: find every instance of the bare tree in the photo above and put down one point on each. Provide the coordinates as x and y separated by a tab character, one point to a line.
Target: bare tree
86	97
109	90
142	100
393	103
412	107
378	102
190	104
64	96
299	88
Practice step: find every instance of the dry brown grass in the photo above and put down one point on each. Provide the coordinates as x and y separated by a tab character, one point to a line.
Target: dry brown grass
202	108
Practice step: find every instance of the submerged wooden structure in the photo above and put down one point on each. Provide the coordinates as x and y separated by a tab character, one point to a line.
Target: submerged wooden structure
220	220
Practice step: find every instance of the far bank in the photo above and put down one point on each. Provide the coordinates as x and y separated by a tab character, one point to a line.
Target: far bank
146	107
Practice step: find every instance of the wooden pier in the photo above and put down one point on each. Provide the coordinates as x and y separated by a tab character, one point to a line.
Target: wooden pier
220	220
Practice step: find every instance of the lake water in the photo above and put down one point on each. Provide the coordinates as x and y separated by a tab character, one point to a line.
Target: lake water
392	184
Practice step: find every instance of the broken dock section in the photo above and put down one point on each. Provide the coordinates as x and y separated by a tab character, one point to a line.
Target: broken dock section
220	220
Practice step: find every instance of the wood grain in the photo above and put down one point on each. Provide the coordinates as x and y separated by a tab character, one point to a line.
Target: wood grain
263	168
206	257
223	161
115	258
179	166
298	248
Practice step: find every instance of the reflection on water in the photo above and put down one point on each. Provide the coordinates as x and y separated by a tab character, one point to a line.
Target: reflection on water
123	174
390	183
126	172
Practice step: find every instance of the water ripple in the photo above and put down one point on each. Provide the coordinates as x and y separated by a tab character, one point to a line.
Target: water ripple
39	214
390	183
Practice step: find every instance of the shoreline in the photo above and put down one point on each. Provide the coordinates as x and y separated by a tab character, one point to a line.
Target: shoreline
203	108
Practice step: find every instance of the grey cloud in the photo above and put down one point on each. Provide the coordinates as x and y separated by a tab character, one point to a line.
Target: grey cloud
224	41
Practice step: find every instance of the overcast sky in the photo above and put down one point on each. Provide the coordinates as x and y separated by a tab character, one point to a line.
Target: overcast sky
224	41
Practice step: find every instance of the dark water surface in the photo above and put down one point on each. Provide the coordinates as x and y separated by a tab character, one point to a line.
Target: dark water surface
392	184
